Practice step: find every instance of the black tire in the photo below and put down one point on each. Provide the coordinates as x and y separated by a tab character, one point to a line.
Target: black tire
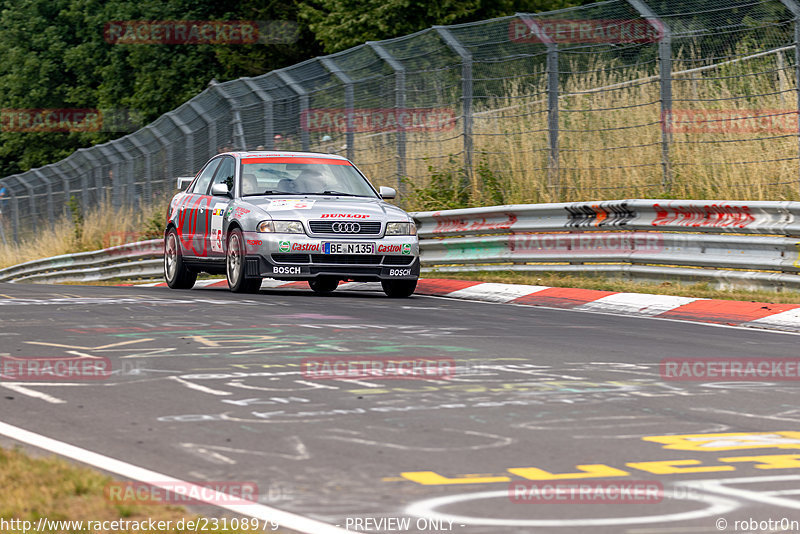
177	275
234	265
323	284
399	288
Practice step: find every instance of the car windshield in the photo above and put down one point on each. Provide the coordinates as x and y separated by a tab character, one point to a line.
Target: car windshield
302	176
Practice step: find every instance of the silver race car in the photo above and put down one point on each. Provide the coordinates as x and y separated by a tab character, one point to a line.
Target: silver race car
289	216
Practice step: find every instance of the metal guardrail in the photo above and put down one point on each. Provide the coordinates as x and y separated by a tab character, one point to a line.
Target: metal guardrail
728	243
132	260
753	244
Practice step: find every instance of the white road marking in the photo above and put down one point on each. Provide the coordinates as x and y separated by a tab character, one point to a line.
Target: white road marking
22	390
637	303
198	387
266	513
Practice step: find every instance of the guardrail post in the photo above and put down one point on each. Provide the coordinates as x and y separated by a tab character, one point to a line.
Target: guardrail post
794	7
553	173
400	106
349	104
50	212
269	128
303	94
665	75
466	96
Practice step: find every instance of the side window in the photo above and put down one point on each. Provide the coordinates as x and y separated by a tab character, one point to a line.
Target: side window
225	173
201	185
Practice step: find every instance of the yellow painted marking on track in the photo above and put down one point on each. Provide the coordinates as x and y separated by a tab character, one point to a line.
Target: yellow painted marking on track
772	461
729	441
7	296
429	478
587	471
668	467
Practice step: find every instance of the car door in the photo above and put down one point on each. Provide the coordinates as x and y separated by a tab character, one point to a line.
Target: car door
216	211
191	218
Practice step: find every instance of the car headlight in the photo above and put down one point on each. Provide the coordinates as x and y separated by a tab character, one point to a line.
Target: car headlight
280	227
401	228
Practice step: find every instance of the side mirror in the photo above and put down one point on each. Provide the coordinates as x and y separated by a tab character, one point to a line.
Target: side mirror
183	181
220	190
387	192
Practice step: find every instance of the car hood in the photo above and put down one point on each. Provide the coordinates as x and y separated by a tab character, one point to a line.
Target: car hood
294	207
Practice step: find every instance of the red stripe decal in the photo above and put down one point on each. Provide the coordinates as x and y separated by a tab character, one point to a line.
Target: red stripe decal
318	161
726	311
562	297
439	286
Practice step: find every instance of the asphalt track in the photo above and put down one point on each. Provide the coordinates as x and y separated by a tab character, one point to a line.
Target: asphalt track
207	386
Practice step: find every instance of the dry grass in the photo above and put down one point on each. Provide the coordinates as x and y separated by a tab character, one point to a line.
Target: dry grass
49	487
610	140
698	290
102	227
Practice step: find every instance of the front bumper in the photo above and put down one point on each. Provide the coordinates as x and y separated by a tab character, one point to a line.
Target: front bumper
268	256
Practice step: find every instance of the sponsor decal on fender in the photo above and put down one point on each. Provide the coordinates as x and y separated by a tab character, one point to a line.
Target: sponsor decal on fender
388	248
406	248
284	246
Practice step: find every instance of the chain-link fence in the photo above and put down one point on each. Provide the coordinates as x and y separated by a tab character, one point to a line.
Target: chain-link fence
622	98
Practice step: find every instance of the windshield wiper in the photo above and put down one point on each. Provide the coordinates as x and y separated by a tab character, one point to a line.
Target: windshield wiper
271	192
338	193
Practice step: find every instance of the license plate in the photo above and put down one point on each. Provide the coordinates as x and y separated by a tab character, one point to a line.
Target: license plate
348	248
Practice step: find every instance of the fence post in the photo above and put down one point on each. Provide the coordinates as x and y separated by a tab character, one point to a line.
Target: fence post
113	160
303	94
331	65
189	140
29	189
84	181
236	119
165	145
147	173
665	75
269	128
49	186
553	172
400	106
794	7
97	171
14	210
211	125
466	96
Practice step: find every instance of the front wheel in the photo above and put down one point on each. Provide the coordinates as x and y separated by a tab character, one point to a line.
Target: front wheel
234	266
399	288
323	284
177	275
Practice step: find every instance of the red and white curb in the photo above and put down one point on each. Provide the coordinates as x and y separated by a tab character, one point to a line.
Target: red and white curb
725	312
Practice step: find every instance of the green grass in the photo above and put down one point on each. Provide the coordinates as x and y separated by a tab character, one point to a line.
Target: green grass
52	488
